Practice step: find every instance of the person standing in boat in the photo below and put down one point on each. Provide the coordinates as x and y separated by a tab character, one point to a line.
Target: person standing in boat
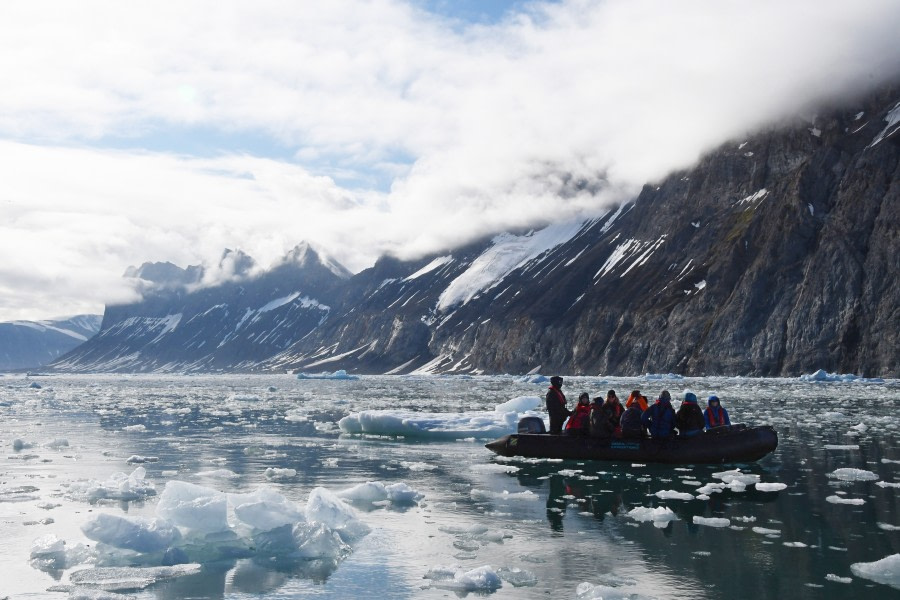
715	415
689	418
581	417
659	419
556	405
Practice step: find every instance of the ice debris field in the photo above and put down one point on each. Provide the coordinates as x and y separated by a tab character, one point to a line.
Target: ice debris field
154	487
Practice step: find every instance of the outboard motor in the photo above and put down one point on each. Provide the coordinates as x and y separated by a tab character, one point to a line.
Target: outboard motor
531	425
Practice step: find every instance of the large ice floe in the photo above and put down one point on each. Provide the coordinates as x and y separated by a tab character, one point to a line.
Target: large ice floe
822	376
339	375
471	424
194	525
886	570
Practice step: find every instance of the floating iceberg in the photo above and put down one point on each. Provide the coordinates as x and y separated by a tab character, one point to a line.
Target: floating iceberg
482	579
660	516
340	375
886	570
119	486
374	492
473	424
711	521
853	475
822	376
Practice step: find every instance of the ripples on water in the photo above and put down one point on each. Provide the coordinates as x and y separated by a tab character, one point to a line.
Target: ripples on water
544	527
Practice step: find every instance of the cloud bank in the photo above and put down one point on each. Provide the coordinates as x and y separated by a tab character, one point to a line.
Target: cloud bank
156	131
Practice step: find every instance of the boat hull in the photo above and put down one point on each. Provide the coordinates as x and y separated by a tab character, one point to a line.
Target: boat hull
734	445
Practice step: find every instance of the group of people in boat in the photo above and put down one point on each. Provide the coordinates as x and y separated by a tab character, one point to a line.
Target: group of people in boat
608	418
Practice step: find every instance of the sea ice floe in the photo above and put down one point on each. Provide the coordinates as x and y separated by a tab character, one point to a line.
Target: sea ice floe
886	570
113	579
138	427
735	475
838	579
471	424
887	484
339	375
766	531
822	376
517	577
136	459
888	527
119	486
659	516
373	492
218	474
848	474
673	495
771	487
842	500
277	474
796	545
614	590
494	468
483	495
19	444
842	446
420	466
711	521
482	579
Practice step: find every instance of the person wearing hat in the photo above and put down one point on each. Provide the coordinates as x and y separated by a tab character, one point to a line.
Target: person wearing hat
715	415
581	416
689	418
659	419
556	405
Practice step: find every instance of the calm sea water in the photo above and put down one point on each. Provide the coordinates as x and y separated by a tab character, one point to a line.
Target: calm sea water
544	527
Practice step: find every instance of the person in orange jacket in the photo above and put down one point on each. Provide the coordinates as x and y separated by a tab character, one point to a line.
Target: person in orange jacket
637	397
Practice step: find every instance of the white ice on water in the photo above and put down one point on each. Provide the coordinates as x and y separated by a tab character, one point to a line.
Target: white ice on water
711	521
660	516
822	376
119	486
481	579
886	570
470	424
848	474
374	492
339	375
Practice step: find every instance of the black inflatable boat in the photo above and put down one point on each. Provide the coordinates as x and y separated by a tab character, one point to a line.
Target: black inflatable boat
735	443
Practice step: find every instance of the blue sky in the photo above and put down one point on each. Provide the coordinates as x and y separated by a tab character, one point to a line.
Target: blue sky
148	131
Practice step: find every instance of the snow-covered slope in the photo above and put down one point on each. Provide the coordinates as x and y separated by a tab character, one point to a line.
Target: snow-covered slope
32	344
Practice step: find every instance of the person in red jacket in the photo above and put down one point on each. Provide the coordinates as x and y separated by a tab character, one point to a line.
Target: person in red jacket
580	419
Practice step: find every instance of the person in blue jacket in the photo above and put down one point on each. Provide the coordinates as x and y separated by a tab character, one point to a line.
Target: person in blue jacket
715	415
659	419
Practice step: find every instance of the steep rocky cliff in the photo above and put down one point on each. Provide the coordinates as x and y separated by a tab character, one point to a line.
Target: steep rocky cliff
775	255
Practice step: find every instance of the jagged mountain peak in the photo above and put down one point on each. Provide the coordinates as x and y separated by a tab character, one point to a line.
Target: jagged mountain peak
304	254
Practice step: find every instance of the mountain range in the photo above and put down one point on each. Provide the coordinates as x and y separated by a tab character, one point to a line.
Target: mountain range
33	344
774	255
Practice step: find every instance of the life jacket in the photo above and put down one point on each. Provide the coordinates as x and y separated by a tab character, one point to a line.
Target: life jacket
581	418
559	394
716	416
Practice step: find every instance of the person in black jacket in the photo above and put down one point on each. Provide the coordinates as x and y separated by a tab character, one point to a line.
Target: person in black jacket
689	418
659	418
556	405
631	421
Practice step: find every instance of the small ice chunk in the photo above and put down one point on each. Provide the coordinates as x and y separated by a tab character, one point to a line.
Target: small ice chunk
19	444
376	491
276	474
887	484
853	475
482	579
838	579
795	545
711	521
132	533
318	541
842	446
765	531
736	475
138	459
517	577
886	570
660	516
888	527
673	495
138	427
770	487
841	500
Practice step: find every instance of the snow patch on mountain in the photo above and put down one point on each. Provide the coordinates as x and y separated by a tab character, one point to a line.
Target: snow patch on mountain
507	253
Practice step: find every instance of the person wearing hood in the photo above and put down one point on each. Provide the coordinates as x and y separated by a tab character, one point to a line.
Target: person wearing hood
581	416
659	419
636	397
556	405
715	415
689	418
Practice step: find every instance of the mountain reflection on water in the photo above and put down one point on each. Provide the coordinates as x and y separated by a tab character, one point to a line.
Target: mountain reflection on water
544	526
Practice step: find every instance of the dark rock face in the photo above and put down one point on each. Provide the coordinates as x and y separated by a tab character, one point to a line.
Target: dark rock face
32	344
775	255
